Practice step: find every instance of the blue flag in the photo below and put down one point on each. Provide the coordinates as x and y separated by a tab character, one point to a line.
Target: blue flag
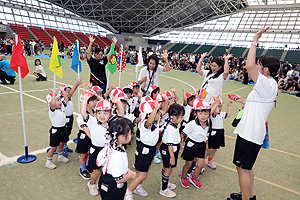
76	58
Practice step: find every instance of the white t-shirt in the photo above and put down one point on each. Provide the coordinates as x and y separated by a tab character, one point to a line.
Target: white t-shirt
217	120
149	137
97	131
171	135
195	131
187	109
58	116
69	108
118	165
214	85
133	103
259	104
40	67
154	80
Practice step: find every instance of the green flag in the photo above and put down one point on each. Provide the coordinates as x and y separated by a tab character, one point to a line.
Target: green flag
112	61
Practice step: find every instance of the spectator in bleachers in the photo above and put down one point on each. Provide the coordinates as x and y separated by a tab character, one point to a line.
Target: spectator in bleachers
62	46
289	86
27	47
51	47
32	44
9	43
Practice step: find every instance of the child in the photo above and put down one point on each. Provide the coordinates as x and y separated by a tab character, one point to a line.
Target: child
113	180
197	132
217	137
97	126
58	134
99	91
145	150
136	99
84	138
40	72
170	148
153	90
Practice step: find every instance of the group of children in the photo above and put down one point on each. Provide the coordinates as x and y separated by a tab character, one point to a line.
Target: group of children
163	129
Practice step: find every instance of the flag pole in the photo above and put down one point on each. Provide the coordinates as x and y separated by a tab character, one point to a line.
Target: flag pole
120	67
78	90
25	158
107	79
54	82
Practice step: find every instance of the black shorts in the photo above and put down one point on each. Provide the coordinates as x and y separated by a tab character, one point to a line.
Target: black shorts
166	155
245	153
108	188
143	157
69	124
218	140
137	136
58	135
84	143
93	157
193	149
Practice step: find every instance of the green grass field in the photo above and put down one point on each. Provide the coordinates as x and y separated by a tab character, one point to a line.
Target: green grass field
276	170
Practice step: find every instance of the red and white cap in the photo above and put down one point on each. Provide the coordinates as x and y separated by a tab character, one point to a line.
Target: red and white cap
153	87
159	97
169	94
128	87
115	91
97	88
188	95
135	84
211	101
49	97
122	96
90	93
146	98
199	104
147	107
103	105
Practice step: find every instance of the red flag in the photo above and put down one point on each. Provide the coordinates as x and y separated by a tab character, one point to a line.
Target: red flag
18	58
121	56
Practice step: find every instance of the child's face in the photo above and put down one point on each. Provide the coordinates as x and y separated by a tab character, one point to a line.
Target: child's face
218	109
202	115
103	115
178	119
92	104
37	62
136	89
129	94
99	93
124	103
67	90
58	103
125	139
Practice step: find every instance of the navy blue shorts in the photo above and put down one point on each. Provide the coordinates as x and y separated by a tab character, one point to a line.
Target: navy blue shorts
165	154
58	135
143	157
193	149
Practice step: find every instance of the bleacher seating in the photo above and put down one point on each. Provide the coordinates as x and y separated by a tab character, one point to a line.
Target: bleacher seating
204	48
274	52
99	41
22	31
41	34
190	49
105	40
219	51
237	51
293	56
71	36
258	52
83	37
177	47
60	38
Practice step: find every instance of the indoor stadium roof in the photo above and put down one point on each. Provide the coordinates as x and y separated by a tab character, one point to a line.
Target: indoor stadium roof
150	17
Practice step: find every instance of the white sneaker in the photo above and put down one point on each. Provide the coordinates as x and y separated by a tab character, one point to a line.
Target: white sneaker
172	186
156	160
93	188
50	165
159	155
167	193
140	191
63	159
128	196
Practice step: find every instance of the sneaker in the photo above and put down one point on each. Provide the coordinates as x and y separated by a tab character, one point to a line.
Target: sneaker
140	191
50	165
203	169
195	182
128	196
211	164
85	175
93	189
236	196
75	140
67	149
167	193
65	154
156	160
63	159
184	182
158	155
172	186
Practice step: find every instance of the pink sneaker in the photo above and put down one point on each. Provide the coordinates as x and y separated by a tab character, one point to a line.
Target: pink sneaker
184	182
195	181
211	164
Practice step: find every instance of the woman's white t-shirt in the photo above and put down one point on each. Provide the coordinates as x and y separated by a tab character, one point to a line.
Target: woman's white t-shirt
40	67
214	85
259	104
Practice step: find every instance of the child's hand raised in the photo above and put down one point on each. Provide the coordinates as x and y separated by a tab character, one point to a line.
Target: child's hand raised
115	100
61	88
51	90
85	96
229	103
157	104
172	89
79	82
89	84
112	85
217	98
183	90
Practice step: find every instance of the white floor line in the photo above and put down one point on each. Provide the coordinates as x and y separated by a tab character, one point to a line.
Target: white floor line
47	79
24	91
179	81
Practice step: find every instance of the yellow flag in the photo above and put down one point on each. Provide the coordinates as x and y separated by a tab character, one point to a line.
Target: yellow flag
55	64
